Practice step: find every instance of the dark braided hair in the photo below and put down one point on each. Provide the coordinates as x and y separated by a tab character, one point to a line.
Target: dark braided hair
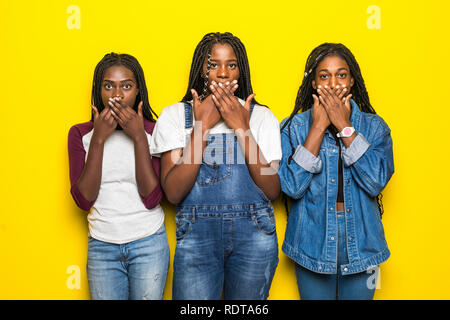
305	101
199	82
131	63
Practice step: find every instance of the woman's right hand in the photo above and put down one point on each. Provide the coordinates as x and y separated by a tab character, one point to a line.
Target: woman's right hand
104	124
205	111
320	116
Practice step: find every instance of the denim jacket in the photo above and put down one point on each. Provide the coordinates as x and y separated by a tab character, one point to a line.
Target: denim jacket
312	183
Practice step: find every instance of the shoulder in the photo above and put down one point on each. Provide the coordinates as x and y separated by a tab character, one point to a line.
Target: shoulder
173	109
373	124
300	120
81	129
76	134
149	126
263	114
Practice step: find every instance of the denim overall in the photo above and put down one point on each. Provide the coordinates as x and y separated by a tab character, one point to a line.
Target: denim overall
226	237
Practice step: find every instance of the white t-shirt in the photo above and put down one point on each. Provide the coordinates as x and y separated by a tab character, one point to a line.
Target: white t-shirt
119	214
170	132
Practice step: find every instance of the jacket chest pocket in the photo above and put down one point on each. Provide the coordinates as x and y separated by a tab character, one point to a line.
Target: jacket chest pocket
217	162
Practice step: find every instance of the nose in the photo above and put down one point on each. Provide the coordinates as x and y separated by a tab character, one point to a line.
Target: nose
117	93
333	82
222	72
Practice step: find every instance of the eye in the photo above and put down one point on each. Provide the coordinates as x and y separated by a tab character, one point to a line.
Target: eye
232	65
213	65
323	76
342	75
108	86
127	86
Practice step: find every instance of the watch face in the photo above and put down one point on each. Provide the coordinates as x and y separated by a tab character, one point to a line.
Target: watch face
347	131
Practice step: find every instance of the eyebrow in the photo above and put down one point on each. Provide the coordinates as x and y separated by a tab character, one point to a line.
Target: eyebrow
107	80
225	60
338	69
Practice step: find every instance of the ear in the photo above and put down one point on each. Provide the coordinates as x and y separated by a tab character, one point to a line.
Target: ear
314	84
139	110
352	82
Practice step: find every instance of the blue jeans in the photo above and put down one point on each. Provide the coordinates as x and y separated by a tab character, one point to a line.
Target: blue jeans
316	286
234	252
135	270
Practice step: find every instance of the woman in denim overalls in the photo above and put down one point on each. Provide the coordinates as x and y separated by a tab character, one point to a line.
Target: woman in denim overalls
221	183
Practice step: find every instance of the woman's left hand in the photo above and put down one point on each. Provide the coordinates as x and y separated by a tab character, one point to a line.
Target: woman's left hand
231	110
337	105
130	121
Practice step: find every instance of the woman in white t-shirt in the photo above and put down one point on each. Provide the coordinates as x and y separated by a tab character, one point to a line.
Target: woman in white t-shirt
114	177
219	160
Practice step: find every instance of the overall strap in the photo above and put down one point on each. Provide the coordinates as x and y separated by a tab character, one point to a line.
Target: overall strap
251	108
187	115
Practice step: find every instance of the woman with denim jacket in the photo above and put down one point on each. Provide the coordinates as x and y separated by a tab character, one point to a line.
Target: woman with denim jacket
337	158
217	153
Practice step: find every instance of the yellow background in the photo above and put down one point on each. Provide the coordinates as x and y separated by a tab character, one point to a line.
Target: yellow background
46	80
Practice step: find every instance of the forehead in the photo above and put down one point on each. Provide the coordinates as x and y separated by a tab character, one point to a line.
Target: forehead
332	63
222	51
118	73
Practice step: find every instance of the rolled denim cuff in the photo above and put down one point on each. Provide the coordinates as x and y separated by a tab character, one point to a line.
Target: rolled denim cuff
305	159
358	147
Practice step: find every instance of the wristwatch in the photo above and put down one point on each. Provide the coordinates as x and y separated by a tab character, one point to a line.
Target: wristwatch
346	132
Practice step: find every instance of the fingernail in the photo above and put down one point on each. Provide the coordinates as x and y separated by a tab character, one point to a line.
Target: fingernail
320	86
228	83
326	86
343	85
235	81
220	84
337	87
345	89
213	82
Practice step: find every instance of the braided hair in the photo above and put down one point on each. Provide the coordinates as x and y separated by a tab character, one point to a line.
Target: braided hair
305	101
199	82
131	63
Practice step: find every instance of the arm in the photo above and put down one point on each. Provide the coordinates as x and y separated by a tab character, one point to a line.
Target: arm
88	183
296	173
77	156
238	118
180	167
263	174
371	165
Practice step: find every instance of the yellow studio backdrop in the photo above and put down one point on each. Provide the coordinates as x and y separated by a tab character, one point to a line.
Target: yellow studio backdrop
49	52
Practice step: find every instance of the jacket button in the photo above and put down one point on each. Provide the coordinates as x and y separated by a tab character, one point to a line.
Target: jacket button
320	268
345	269
332	180
350	239
348	209
332	238
331	209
